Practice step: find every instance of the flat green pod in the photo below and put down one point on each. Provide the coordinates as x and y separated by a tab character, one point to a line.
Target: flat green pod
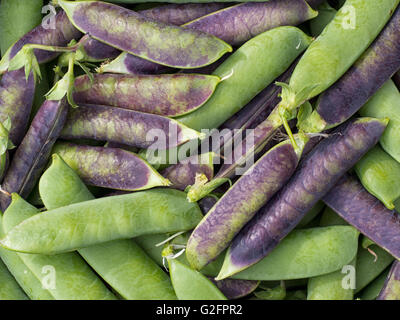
9	288
372	291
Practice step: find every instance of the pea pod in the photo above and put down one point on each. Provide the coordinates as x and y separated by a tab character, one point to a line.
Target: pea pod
109	167
325	15
241	202
379	173
9	290
360	82
317	174
234	288
371	292
274	51
391	288
31	156
386	103
101	220
168	45
73	277
167	95
362	210
129	127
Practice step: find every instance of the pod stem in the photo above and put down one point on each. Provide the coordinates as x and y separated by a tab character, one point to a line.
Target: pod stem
203	188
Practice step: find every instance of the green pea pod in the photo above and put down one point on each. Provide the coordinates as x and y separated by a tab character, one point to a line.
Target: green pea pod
246	72
331	286
371	292
325	15
17	17
310	215
386	103
379	173
277	293
190	284
144	37
121	263
9	289
101	220
65	276
331	218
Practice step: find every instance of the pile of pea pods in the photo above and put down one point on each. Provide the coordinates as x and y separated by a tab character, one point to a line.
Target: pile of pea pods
297	200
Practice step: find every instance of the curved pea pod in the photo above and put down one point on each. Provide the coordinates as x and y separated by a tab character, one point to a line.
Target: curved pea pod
396	79
129	127
168	95
274	50
241	202
31	156
362	210
59	35
379	173
316	175
239	23
16	99
391	288
332	286
344	98
372	291
386	103
121	263
190	284
74	278
105	219
9	290
168	44
109	167
96	51
325	15
234	288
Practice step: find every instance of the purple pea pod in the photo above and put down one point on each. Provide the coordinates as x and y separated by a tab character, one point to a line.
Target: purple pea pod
391	288
344	98
32	154
109	167
163	43
235	289
241	202
362	210
184	173
96	51
133	128
239	23
396	79
316	175
169	95
16	98
59	35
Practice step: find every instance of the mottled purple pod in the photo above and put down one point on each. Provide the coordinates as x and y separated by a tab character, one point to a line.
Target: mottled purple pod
168	95
16	98
316	175
344	98
95	51
241	202
362	210
58	35
234	288
184	173
391	288
239	23
132	32
137	129
32	154
109	167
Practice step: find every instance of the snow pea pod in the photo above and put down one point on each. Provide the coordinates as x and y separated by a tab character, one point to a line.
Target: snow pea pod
74	278
386	103
17	17
317	174
391	288
360	82
101	220
129	127
241	202
274	51
31	156
121	263
190	284
371	292
325	15
359	208
109	167
379	173
144	37
9	290
169	95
